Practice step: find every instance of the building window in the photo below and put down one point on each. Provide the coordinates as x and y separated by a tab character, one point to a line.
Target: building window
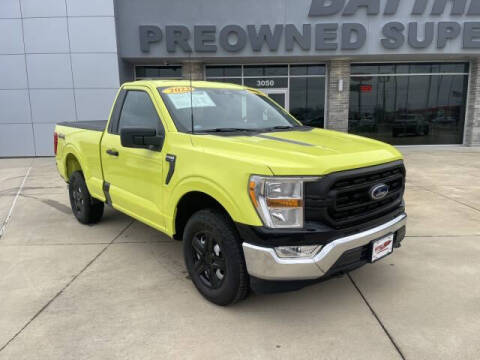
299	88
228	74
307	94
409	103
158	72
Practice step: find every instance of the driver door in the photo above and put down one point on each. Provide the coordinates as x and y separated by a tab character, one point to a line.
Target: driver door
134	176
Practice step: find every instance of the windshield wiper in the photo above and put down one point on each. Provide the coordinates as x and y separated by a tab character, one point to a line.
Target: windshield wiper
234	129
227	130
279	127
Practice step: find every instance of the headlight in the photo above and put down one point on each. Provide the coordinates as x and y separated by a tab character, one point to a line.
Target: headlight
278	200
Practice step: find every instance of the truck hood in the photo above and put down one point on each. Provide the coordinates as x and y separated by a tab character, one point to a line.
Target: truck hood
302	152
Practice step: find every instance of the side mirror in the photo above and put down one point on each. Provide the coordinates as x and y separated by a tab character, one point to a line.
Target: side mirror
141	138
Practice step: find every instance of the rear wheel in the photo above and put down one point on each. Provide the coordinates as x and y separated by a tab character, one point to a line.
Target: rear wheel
214	257
86	209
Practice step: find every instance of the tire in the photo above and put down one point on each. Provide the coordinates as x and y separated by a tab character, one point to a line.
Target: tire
86	209
214	257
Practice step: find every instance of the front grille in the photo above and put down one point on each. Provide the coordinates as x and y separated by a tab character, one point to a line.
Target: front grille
342	199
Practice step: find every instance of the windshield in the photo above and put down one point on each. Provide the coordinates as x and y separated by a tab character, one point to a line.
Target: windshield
223	110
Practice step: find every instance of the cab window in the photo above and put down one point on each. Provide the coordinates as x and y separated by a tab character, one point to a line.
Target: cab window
138	111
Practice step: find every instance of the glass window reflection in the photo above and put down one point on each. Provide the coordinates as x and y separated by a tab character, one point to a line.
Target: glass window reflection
410	109
307	100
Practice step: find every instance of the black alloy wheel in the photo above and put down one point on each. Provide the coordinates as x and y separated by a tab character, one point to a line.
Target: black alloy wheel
78	199
214	257
209	263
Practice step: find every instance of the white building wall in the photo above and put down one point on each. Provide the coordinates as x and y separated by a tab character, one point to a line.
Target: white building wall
58	62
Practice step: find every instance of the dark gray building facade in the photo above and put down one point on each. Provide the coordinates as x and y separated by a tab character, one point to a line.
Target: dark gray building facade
405	72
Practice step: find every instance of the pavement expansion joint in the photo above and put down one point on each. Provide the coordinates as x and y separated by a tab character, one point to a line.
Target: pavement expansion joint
3	227
65	287
450	198
385	330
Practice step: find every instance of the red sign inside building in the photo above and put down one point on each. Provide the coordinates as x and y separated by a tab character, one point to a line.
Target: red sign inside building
366	88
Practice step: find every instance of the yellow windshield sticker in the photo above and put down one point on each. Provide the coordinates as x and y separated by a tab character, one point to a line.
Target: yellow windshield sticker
178	90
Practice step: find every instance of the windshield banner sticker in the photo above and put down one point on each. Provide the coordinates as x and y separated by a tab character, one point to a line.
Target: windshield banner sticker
178	90
198	98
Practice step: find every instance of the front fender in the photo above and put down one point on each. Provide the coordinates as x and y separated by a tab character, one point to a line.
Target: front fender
237	205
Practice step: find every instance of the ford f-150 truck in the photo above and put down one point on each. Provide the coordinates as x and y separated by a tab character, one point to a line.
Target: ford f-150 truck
259	200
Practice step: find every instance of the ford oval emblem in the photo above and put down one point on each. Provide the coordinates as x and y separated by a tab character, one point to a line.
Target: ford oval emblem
379	191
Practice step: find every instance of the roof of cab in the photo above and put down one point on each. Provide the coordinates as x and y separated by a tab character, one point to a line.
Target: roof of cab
167	83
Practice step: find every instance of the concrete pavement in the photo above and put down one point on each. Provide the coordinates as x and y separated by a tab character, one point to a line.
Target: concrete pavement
119	289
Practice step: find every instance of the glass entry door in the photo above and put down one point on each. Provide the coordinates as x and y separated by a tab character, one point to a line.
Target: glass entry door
303	86
280	96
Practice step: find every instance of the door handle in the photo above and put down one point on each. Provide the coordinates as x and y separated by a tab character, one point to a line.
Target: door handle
112	152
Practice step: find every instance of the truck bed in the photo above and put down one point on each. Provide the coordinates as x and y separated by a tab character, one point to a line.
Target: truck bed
87	125
85	138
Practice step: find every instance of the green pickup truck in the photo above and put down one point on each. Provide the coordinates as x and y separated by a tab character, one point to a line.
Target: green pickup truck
259	200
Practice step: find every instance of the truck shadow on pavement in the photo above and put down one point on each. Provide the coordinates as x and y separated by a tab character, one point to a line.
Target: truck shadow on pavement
57	205
168	256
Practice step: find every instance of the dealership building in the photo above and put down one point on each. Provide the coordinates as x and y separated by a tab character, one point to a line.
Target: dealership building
405	72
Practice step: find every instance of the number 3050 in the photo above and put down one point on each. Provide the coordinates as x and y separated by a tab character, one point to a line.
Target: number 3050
265	83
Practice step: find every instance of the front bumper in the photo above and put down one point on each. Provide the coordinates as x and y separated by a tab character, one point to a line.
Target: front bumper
263	262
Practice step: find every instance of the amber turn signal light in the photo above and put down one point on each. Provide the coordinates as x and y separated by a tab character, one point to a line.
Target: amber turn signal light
284	203
251	191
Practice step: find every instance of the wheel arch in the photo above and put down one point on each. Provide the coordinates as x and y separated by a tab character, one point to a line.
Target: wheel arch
235	204
72	164
190	203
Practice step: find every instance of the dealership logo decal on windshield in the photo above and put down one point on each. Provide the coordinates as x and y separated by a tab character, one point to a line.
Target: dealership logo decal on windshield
330	35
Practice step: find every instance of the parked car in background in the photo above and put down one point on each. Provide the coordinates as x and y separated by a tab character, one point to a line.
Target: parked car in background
410	124
365	123
444	119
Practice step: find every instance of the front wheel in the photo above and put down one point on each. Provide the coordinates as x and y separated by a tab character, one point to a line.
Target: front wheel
214	257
